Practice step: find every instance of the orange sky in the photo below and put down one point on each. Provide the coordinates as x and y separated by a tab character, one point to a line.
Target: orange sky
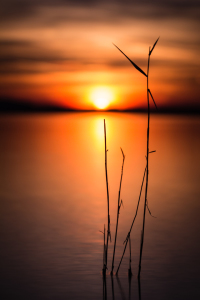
58	53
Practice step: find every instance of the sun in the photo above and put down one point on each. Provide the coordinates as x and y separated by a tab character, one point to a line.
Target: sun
101	96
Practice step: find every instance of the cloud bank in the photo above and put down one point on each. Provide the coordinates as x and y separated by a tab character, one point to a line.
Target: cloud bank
68	44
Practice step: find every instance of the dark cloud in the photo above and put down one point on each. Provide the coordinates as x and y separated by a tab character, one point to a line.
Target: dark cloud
16	70
43	36
26	57
123	63
9	43
27	51
119	9
12	58
17	53
180	65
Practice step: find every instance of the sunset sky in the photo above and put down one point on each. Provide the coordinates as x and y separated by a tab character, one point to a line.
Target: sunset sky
61	53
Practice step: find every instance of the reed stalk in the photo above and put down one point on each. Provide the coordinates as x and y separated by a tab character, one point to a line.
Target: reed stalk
128	235
108	228
104	288
139	288
129	285
147	155
129	270
104	248
118	211
147	176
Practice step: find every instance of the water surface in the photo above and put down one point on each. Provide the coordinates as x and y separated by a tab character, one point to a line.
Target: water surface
53	205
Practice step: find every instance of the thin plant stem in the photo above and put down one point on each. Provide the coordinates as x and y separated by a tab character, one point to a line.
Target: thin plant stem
126	242
106	173
129	284
130	252
104	288
147	156
128	235
118	211
129	270
113	290
139	288
104	248
147	176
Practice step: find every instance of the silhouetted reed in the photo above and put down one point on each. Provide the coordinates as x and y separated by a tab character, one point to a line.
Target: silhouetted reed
129	285
147	155
104	246
129	270
128	235
108	228
104	288
139	288
119	203
113	289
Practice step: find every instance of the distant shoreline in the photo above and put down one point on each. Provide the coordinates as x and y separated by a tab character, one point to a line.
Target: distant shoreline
7	107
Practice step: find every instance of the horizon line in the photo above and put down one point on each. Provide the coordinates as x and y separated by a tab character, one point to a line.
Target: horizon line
23	107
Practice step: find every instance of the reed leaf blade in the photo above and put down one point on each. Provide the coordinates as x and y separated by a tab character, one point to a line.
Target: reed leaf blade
154	46
140	70
152	98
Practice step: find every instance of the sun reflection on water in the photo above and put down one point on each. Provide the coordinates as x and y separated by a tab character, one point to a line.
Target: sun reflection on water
99	129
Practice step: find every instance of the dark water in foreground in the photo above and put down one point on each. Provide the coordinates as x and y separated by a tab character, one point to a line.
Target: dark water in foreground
53	204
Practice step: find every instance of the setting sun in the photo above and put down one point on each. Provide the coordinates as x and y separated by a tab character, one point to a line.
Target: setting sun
101	96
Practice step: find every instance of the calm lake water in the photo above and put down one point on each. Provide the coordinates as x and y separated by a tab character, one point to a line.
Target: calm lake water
53	205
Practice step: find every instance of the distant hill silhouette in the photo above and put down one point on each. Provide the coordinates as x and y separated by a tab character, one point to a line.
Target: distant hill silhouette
18	106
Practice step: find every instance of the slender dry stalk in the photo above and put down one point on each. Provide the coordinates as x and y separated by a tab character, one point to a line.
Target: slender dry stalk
129	284
104	288
104	247
128	235
129	270
113	289
139	288
147	157
118	210
147	177
108	229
